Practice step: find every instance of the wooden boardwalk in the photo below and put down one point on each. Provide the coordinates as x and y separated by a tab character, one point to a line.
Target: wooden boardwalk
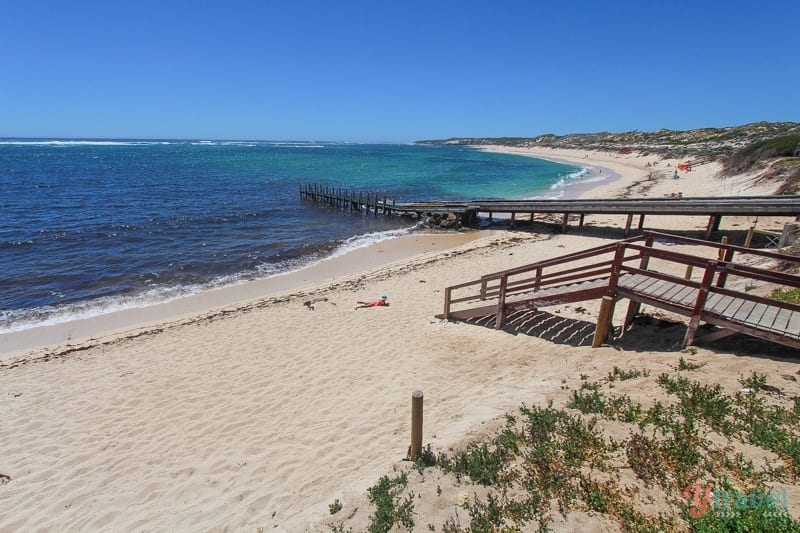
713	207
636	270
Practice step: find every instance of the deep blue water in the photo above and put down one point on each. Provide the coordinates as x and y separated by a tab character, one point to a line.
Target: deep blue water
92	225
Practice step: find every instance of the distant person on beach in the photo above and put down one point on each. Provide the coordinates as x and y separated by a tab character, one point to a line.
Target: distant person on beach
375	303
675	175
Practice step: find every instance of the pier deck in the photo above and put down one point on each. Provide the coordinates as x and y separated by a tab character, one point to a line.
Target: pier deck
713	207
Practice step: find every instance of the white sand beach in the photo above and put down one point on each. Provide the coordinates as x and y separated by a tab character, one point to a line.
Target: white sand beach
258	411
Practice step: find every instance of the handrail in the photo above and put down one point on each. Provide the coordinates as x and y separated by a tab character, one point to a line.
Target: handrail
574	256
719	268
709	244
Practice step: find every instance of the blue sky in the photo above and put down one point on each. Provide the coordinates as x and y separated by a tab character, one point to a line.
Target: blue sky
375	71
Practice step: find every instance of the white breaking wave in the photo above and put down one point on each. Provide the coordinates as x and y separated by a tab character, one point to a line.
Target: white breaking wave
83	143
23	319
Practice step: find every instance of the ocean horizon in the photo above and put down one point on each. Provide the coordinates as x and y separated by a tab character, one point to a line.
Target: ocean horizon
92	226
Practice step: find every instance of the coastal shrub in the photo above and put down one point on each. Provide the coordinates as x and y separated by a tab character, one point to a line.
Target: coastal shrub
787	295
390	508
684	365
588	402
748	156
623	375
548	460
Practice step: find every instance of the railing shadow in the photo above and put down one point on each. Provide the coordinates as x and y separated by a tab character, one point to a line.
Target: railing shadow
645	335
541	324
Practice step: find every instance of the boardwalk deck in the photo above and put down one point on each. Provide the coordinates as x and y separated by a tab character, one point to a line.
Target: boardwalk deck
559	281
720	309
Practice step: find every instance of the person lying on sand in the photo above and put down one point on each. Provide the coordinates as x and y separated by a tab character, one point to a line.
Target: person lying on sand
376	303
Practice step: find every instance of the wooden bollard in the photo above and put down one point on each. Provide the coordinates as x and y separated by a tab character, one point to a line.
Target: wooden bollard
688	274
604	318
722	250
416	425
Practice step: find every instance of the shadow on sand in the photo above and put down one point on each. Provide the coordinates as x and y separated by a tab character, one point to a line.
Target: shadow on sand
645	334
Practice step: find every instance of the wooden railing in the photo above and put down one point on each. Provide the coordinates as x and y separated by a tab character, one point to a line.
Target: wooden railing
616	259
545	273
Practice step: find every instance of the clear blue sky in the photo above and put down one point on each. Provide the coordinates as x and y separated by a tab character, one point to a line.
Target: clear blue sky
374	71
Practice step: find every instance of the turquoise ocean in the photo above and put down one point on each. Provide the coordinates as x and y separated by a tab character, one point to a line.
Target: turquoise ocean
91	226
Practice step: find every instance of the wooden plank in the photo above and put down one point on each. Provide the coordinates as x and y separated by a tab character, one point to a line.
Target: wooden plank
660	288
645	283
674	294
650	288
743	311
782	320
755	315
768	318
687	296
719	303
793	327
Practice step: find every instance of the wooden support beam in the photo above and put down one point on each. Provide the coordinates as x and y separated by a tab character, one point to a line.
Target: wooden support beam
641	221
580	222
699	304
633	310
749	239
717	335
604	319
628	223
565	223
513	219
713	225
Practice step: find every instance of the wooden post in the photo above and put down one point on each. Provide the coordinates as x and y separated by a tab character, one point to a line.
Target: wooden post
699	304
564	223
722	251
688	274
532	213
513	219
633	306
501	303
727	257
604	321
580	222
448	295
713	225
749	239
628	223
641	221
416	425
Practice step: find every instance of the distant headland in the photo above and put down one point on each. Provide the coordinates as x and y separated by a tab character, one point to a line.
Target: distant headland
769	148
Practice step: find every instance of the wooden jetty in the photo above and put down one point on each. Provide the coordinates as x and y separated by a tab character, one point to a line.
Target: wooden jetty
715	208
637	270
375	203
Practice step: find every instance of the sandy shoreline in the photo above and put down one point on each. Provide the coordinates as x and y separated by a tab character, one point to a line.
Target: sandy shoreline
258	414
